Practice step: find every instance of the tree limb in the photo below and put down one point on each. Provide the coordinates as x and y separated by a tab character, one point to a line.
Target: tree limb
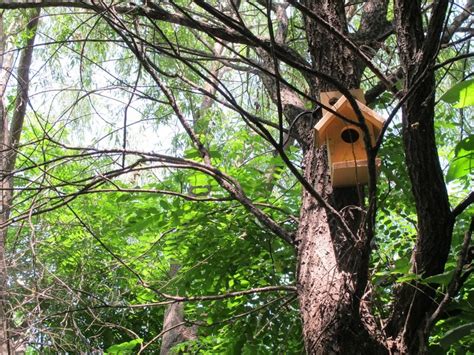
346	40
463	205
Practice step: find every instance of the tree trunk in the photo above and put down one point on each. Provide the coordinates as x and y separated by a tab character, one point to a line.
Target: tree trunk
332	267
10	138
435	221
175	332
332	273
5	67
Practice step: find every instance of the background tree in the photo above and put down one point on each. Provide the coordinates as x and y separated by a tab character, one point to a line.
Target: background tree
12	120
103	210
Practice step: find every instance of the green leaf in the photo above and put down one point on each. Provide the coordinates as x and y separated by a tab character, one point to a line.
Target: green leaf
467	144
124	197
216	154
31	351
456	334
407	278
402	266
165	204
459	168
244	283
192	153
463	163
460	95
139	225
124	348
441	279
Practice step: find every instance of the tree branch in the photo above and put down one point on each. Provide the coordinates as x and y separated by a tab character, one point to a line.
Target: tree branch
22	92
227	182
463	205
448	33
374	25
344	39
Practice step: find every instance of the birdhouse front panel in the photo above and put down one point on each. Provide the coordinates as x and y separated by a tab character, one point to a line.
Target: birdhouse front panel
345	141
348	156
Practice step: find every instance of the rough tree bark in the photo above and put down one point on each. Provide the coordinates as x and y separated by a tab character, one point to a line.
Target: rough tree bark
435	221
5	69
332	267
175	331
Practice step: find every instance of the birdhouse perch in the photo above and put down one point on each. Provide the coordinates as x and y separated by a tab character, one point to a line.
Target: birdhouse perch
345	141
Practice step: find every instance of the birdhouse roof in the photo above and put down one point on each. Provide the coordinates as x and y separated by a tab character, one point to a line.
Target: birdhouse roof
343	106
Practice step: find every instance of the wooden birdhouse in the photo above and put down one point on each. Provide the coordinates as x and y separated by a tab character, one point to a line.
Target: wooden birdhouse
345	140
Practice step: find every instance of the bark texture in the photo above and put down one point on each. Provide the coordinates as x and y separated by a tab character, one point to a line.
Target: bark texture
332	273
332	266
4	71
435	221
174	330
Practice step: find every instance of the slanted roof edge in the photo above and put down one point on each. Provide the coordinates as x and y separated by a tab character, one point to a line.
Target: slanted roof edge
369	114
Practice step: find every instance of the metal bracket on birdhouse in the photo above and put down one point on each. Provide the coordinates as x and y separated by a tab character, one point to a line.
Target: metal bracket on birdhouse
345	141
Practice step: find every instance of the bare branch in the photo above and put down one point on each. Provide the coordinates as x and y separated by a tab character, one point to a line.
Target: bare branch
347	41
469	200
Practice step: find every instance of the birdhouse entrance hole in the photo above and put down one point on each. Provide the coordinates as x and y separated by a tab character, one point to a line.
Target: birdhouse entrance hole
333	100
350	135
344	141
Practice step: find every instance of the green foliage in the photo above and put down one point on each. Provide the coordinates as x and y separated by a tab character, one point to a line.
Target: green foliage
124	348
462	165
460	95
456	334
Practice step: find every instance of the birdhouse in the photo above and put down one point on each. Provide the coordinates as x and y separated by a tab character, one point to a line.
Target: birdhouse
345	140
